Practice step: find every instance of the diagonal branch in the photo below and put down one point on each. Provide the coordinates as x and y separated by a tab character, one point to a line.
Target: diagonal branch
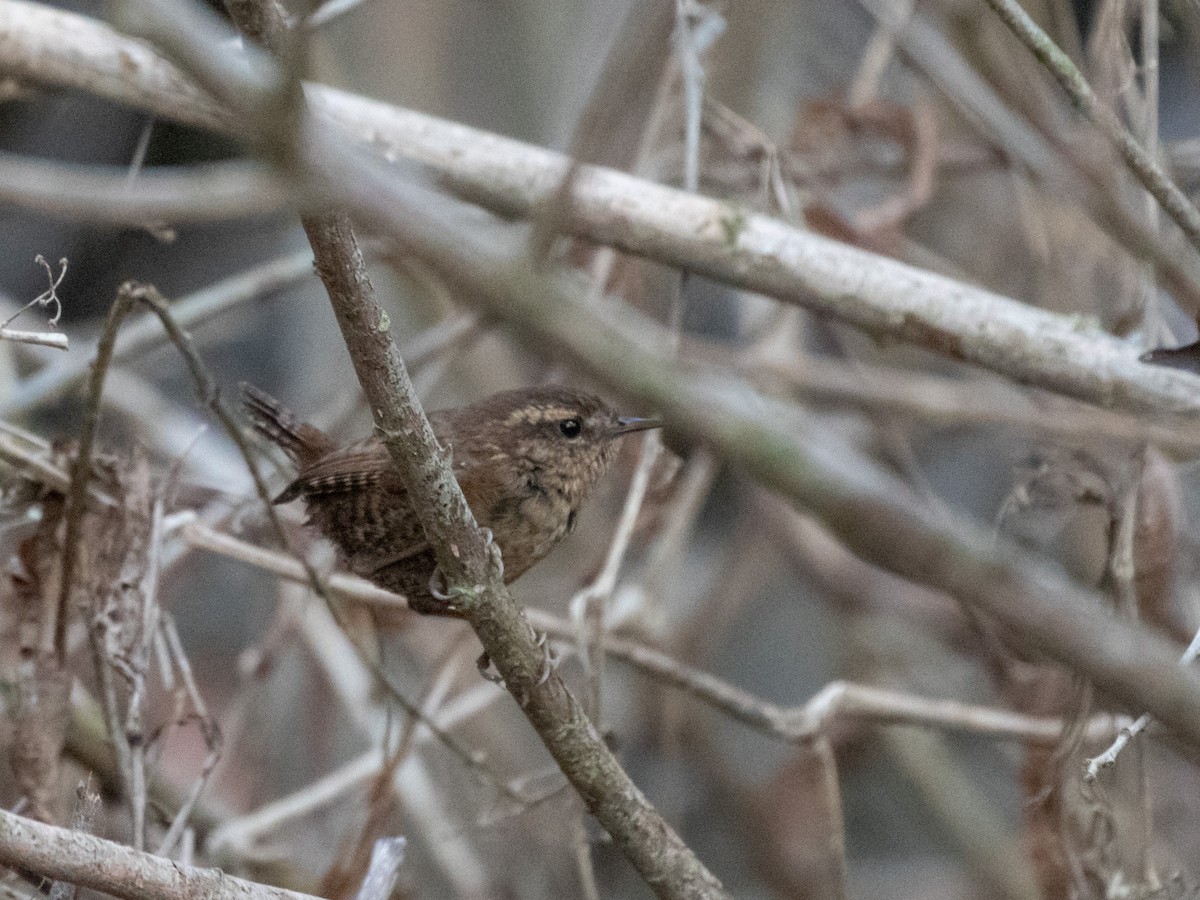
470	564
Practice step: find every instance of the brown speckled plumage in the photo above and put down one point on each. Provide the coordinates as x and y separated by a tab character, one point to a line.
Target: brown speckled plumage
525	471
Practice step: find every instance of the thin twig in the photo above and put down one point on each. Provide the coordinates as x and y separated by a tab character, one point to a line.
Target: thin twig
350	587
697	28
139	667
47	297
876	57
81	473
208	728
209	395
589	606
1143	166
145	333
214	192
1108	758
788	723
1153	327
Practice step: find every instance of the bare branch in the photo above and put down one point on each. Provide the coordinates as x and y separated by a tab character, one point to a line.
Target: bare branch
116	869
1108	758
81	473
203	194
719	239
37	338
799	723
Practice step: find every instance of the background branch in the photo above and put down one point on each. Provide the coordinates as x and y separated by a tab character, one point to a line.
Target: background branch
716	238
876	516
860	246
117	869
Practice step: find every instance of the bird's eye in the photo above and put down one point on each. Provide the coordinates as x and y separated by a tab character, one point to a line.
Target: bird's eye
570	428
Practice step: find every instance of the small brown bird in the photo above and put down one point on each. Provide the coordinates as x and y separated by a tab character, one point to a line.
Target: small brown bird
526	460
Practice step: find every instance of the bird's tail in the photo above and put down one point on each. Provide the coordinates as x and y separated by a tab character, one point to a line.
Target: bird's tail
302	442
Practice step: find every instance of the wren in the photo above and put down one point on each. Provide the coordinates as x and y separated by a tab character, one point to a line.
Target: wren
526	461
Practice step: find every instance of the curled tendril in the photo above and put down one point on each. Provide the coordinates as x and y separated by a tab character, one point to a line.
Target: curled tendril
47	297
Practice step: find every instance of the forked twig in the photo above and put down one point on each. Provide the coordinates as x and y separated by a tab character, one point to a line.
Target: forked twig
1108	758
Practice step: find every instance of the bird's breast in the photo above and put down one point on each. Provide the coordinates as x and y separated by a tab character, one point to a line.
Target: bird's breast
527	526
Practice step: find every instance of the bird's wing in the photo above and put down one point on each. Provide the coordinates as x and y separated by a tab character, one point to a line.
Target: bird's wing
355	467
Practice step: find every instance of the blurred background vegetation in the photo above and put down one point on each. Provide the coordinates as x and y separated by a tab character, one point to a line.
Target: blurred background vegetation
811	113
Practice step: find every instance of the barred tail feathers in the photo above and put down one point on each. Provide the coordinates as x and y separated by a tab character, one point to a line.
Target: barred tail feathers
302	442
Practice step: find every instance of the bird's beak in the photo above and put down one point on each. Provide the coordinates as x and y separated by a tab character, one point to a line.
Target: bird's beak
628	426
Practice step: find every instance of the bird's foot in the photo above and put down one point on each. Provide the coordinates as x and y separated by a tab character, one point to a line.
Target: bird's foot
441	600
549	660
493	550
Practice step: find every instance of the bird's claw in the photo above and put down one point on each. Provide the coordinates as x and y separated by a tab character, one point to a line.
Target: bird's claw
437	586
493	549
549	660
443	604
549	664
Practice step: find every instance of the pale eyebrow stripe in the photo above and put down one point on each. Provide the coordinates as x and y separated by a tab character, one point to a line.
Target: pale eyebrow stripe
538	414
